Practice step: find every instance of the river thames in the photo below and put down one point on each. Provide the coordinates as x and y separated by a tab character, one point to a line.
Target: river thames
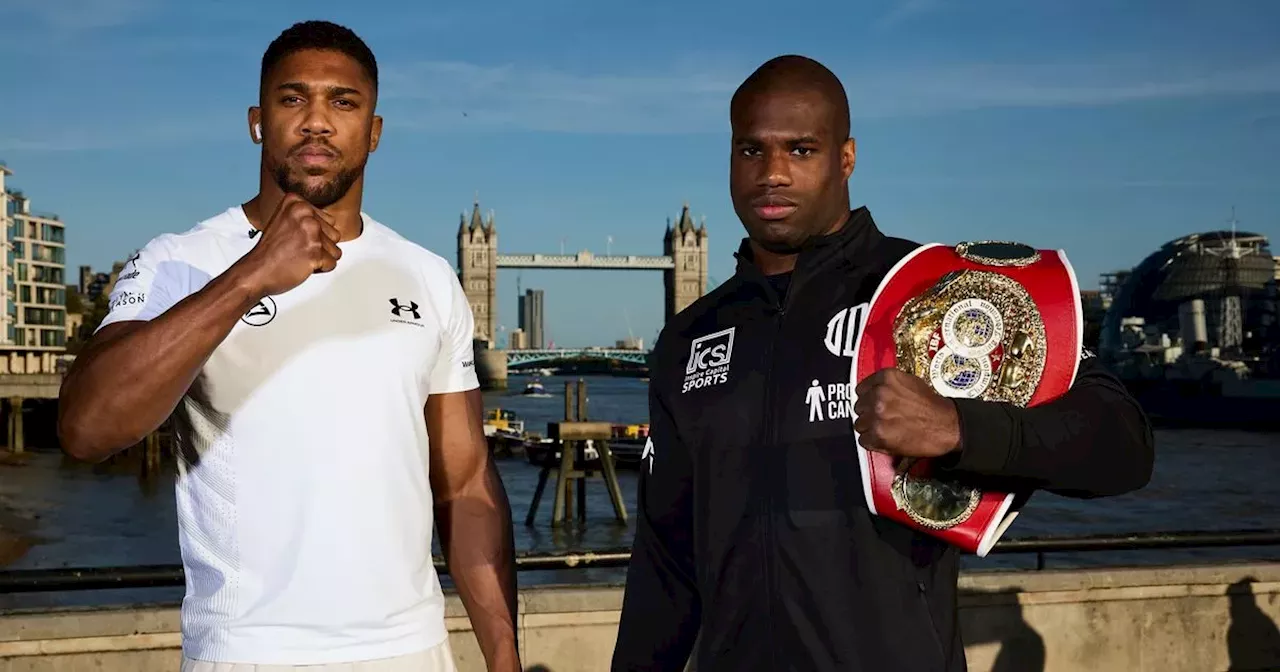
59	513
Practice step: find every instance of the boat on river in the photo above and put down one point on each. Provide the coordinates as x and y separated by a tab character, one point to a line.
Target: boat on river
534	388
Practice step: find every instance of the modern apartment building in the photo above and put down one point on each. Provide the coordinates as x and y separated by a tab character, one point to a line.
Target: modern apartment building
34	269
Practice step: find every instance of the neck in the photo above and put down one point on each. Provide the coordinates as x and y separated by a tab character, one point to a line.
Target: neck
774	263
345	211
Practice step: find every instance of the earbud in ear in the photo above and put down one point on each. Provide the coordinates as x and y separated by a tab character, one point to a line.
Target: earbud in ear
257	131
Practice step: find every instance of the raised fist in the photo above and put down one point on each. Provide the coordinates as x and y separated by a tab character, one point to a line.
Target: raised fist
297	241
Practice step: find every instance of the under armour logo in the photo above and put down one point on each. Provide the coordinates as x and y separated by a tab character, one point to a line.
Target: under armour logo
396	307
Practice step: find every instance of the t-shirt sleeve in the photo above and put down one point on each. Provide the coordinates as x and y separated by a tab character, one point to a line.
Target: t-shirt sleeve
151	282
455	368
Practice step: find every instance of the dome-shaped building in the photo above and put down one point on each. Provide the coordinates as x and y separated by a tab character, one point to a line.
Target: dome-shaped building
1205	291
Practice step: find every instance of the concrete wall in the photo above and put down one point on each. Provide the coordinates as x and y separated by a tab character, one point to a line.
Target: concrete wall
491	367
1197	619
28	385
31	361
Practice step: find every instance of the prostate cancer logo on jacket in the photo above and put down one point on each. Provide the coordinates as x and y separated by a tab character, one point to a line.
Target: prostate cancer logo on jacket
709	360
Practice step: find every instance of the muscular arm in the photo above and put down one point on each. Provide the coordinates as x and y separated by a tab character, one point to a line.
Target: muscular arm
1093	441
473	517
131	374
160	332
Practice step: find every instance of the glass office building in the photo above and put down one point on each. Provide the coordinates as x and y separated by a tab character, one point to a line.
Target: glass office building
1207	290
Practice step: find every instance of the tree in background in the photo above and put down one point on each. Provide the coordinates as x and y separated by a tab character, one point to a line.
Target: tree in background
75	304
93	313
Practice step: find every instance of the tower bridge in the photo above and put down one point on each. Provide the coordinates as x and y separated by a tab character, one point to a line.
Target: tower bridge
586	259
683	264
552	355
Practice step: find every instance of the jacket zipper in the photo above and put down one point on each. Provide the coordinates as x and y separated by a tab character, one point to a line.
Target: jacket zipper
932	624
770	440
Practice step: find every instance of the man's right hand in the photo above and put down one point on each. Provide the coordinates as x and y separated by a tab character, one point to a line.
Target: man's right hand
297	241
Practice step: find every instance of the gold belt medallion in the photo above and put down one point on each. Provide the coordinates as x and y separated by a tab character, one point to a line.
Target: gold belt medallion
975	334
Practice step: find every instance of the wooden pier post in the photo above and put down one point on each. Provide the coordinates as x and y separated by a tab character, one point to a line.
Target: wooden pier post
16	434
563	509
151	453
572	435
580	452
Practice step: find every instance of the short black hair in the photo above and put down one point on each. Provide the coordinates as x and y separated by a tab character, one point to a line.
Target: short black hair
322	35
795	73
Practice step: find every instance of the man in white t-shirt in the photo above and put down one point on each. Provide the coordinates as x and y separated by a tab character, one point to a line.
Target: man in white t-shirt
319	371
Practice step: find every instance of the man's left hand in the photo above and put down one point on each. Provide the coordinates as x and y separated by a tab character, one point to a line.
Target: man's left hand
901	414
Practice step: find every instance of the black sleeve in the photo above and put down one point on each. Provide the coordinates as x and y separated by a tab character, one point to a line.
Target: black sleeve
660	607
1093	441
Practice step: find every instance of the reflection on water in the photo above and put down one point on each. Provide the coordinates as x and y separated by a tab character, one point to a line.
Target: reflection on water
55	512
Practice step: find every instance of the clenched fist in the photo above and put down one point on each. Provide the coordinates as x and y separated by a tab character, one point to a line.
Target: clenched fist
900	414
298	240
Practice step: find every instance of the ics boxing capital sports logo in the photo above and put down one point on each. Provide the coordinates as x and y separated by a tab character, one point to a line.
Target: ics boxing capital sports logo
709	360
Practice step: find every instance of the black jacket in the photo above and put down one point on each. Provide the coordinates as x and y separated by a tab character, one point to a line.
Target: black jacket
753	536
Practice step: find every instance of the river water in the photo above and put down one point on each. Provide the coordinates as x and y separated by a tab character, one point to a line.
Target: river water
66	514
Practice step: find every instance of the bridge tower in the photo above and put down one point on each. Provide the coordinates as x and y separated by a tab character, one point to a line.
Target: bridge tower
687	247
478	271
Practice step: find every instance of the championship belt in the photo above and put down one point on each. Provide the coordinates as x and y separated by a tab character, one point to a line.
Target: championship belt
996	321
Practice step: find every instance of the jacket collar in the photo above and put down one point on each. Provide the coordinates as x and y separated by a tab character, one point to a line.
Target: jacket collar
850	246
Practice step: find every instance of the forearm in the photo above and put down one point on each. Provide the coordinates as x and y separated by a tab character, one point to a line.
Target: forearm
476	535
1092	441
123	386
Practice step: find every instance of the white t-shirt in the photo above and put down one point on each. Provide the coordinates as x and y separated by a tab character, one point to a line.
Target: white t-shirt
304	506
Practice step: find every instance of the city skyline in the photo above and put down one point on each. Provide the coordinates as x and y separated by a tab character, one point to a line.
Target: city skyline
1100	129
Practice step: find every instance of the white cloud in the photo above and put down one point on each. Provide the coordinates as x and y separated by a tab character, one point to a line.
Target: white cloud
904	10
1006	182
104	136
72	16
454	96
927	90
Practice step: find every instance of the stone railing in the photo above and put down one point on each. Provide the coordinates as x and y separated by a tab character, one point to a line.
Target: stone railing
1193	619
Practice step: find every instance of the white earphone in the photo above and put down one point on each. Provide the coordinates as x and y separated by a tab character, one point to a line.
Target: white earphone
257	131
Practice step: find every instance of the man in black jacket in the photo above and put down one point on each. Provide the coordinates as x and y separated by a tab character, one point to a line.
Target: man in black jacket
753	536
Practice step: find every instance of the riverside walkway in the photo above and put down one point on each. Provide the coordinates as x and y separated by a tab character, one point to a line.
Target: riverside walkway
1197	618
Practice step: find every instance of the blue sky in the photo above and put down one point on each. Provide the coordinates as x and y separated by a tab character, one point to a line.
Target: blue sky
1104	127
